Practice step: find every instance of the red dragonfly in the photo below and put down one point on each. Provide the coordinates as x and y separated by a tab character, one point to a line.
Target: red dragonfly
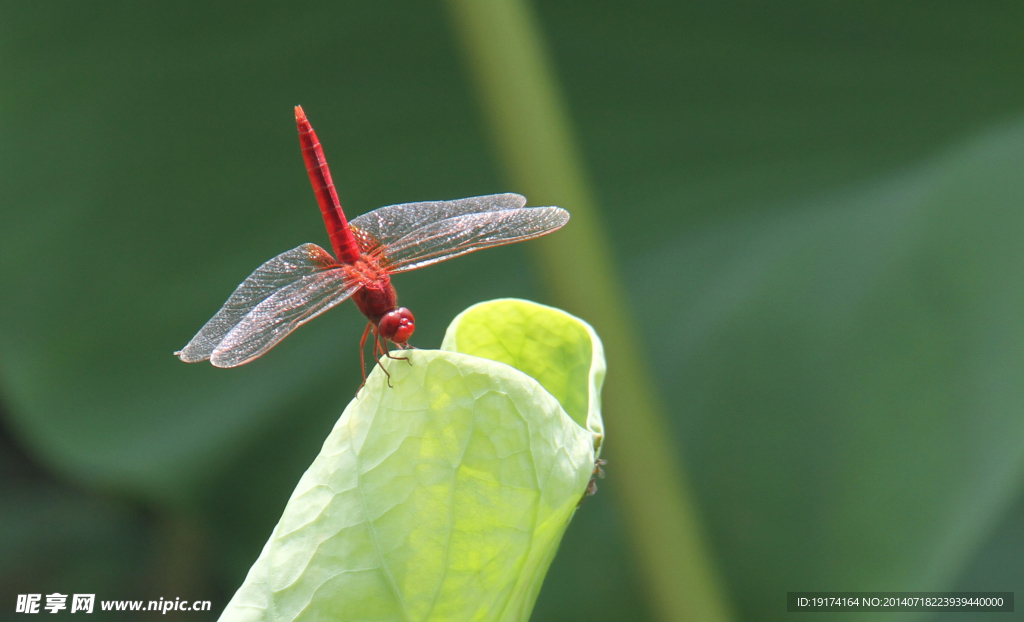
300	284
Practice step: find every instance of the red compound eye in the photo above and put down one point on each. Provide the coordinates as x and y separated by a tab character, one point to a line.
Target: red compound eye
397	325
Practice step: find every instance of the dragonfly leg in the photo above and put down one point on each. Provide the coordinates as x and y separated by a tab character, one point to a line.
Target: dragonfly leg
383	351
362	350
387	353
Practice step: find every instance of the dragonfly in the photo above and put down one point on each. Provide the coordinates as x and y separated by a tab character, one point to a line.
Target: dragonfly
298	285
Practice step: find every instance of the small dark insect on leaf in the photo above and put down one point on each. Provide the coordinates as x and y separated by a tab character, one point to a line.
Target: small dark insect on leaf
592	486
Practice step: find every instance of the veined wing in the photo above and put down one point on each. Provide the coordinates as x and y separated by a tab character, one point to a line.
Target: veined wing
386	225
280	272
284	311
451	237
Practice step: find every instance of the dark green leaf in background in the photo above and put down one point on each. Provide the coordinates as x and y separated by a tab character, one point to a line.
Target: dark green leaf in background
848	379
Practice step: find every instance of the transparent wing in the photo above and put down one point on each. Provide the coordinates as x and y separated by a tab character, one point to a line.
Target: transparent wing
386	225
456	236
286	269
284	311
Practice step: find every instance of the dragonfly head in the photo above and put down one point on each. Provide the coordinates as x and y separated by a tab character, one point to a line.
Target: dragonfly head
397	325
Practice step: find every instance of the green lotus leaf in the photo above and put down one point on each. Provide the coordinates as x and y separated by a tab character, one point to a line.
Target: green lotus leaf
444	495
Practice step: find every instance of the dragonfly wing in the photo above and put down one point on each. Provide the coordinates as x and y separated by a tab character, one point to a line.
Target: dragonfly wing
282	312
386	225
456	236
281	271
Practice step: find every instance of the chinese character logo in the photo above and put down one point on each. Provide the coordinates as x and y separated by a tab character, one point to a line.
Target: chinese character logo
82	602
28	603
55	602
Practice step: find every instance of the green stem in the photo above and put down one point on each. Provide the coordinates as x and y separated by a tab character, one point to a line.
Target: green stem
530	125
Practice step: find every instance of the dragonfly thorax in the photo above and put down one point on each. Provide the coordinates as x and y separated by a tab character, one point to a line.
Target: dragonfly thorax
379	302
376	297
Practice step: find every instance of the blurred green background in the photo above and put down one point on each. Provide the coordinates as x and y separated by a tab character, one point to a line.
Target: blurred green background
818	209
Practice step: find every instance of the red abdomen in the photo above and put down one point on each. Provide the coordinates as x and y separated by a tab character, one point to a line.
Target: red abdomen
342	240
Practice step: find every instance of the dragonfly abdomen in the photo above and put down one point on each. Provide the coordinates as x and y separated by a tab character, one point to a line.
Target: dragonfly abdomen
342	240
